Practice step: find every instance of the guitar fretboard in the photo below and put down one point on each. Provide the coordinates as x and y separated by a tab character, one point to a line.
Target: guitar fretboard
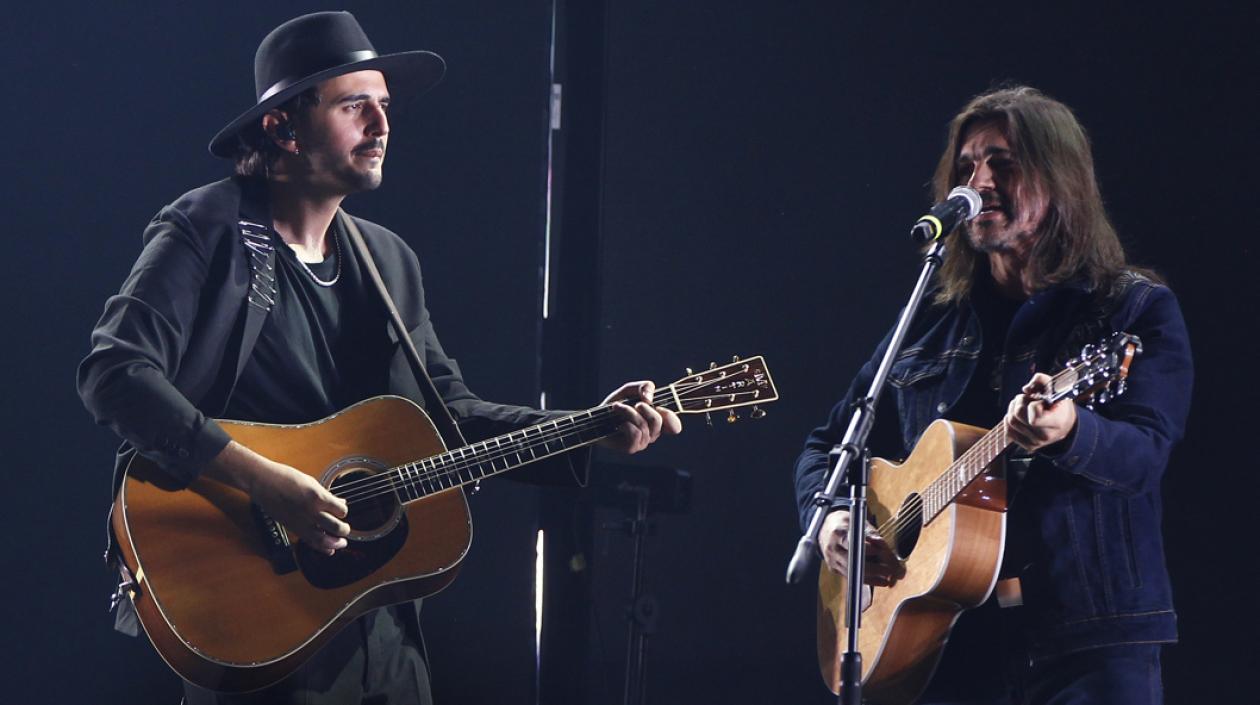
739	383
945	488
464	466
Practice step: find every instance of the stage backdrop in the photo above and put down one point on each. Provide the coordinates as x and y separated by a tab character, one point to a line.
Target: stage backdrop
761	165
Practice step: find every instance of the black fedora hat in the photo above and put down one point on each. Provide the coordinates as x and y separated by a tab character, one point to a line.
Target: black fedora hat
316	47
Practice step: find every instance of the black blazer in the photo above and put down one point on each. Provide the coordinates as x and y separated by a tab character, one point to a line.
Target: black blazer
166	349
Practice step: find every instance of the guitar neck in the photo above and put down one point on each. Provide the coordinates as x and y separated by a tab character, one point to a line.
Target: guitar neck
743	382
945	488
477	461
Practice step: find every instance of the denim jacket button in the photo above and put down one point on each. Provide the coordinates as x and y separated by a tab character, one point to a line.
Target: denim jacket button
965	341
940	408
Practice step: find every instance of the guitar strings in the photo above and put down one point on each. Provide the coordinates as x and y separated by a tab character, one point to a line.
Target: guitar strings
554	431
386	482
395	479
512	446
450	470
939	488
912	510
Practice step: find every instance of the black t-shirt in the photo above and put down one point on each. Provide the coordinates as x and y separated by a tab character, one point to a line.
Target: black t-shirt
980	404
321	348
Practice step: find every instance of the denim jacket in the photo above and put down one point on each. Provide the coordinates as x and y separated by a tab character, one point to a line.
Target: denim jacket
1084	523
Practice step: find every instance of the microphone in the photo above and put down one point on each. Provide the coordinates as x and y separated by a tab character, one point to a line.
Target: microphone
963	203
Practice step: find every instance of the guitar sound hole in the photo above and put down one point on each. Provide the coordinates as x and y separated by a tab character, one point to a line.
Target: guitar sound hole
906	526
378	525
374	507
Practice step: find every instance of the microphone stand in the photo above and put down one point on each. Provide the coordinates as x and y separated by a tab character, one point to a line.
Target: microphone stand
851	447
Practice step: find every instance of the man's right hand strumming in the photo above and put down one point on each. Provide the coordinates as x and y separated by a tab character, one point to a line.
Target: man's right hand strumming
286	494
882	566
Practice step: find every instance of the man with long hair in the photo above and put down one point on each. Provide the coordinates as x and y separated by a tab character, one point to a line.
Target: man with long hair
1038	273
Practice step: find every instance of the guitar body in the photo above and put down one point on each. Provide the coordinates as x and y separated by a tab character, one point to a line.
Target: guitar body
951	564
228	605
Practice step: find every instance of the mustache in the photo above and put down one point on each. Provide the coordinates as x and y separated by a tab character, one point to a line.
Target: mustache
993	201
376	143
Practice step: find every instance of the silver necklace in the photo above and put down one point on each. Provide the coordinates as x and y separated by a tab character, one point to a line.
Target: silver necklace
337	254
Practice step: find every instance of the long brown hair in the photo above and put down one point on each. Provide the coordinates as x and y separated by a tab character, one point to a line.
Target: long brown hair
1076	239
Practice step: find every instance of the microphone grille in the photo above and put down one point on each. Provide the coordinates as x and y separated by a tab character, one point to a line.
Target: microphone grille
974	203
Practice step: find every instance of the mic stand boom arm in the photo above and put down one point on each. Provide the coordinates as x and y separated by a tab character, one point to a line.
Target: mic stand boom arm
852	446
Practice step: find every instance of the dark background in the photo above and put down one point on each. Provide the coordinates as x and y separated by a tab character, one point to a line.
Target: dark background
761	163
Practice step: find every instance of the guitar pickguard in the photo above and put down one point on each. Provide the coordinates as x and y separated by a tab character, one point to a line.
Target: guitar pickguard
352	563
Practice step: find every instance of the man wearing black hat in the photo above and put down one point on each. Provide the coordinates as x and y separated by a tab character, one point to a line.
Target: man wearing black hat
253	300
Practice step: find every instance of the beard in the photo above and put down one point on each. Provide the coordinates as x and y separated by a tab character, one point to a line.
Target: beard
371	178
987	240
364	180
350	178
331	171
1008	233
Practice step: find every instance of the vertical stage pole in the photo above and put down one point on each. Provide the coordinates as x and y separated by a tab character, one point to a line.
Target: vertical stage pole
570	333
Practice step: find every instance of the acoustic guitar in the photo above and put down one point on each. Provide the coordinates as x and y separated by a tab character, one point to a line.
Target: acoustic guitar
942	511
233	605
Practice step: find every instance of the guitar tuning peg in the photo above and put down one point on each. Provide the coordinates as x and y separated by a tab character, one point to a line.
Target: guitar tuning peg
757	413
689	371
713	365
708	419
734	358
731	416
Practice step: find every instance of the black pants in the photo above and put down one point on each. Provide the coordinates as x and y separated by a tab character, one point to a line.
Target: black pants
986	662
376	660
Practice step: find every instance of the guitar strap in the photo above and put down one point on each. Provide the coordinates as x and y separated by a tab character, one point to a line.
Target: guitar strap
257	237
262	291
432	400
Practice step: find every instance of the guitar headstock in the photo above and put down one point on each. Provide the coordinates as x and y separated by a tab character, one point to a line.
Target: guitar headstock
1098	373
741	382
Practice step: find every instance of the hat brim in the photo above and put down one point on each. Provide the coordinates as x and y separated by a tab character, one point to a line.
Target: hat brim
408	74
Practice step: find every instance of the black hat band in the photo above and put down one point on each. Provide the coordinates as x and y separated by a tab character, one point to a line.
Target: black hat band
350	58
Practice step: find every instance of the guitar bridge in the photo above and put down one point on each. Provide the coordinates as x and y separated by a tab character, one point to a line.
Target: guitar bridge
276	541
